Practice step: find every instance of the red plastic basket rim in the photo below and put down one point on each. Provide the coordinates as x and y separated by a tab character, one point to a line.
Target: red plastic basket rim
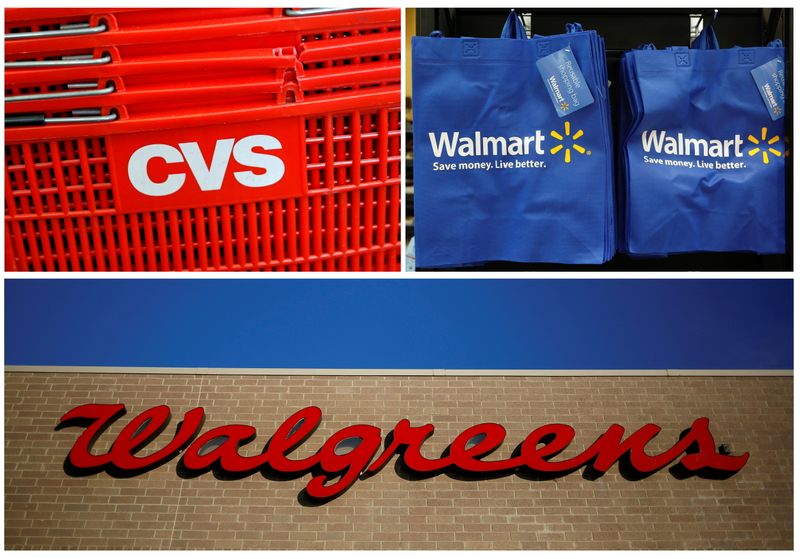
373	44
150	95
326	23
251	60
22	16
162	95
340	102
377	43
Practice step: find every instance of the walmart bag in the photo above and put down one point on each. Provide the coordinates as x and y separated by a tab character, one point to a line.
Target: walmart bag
512	159
702	159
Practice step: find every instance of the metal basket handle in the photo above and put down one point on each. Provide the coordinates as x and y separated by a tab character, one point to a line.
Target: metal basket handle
76	90
66	30
78	117
299	12
64	61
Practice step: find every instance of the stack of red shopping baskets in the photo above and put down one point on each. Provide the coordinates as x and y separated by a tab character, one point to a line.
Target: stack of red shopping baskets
202	139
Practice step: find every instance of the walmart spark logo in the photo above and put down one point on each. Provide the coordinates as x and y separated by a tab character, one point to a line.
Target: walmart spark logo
765	149
566	136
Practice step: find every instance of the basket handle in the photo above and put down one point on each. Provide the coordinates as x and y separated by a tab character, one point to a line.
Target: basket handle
12	121
299	12
208	30
75	91
255	60
66	30
104	59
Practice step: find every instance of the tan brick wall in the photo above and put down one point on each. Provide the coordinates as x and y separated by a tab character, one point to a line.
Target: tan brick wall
46	509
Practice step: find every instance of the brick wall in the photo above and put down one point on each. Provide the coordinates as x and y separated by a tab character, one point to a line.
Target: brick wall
46	509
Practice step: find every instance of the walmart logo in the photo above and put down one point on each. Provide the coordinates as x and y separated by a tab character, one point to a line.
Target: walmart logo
762	146
563	139
478	144
659	142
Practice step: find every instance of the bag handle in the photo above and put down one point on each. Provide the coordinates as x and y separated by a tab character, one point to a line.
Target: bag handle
707	39
513	28
573	27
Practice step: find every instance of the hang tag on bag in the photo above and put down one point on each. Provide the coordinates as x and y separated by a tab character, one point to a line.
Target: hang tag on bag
770	80
564	81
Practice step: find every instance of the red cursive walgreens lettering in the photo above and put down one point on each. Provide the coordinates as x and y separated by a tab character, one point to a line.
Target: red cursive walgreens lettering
347	455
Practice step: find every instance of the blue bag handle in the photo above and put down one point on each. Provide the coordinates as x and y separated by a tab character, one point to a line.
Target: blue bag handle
707	39
570	28
513	28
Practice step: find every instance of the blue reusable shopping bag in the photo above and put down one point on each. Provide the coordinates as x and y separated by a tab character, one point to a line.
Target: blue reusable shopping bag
498	175
703	160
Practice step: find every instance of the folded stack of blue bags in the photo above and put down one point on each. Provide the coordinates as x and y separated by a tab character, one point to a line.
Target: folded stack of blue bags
513	149
514	159
701	164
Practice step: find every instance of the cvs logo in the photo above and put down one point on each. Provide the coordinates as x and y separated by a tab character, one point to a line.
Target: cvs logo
208	166
208	177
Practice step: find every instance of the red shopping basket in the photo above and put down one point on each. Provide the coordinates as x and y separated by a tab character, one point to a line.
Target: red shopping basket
232	73
20	20
141	99
65	210
105	63
160	83
153	179
105	29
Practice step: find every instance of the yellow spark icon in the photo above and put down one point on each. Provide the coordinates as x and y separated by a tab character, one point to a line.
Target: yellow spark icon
765	150
568	151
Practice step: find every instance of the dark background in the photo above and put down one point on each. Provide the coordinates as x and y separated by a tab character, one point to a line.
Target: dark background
624	29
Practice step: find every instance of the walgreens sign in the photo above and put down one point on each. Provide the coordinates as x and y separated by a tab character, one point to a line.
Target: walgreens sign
359	451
